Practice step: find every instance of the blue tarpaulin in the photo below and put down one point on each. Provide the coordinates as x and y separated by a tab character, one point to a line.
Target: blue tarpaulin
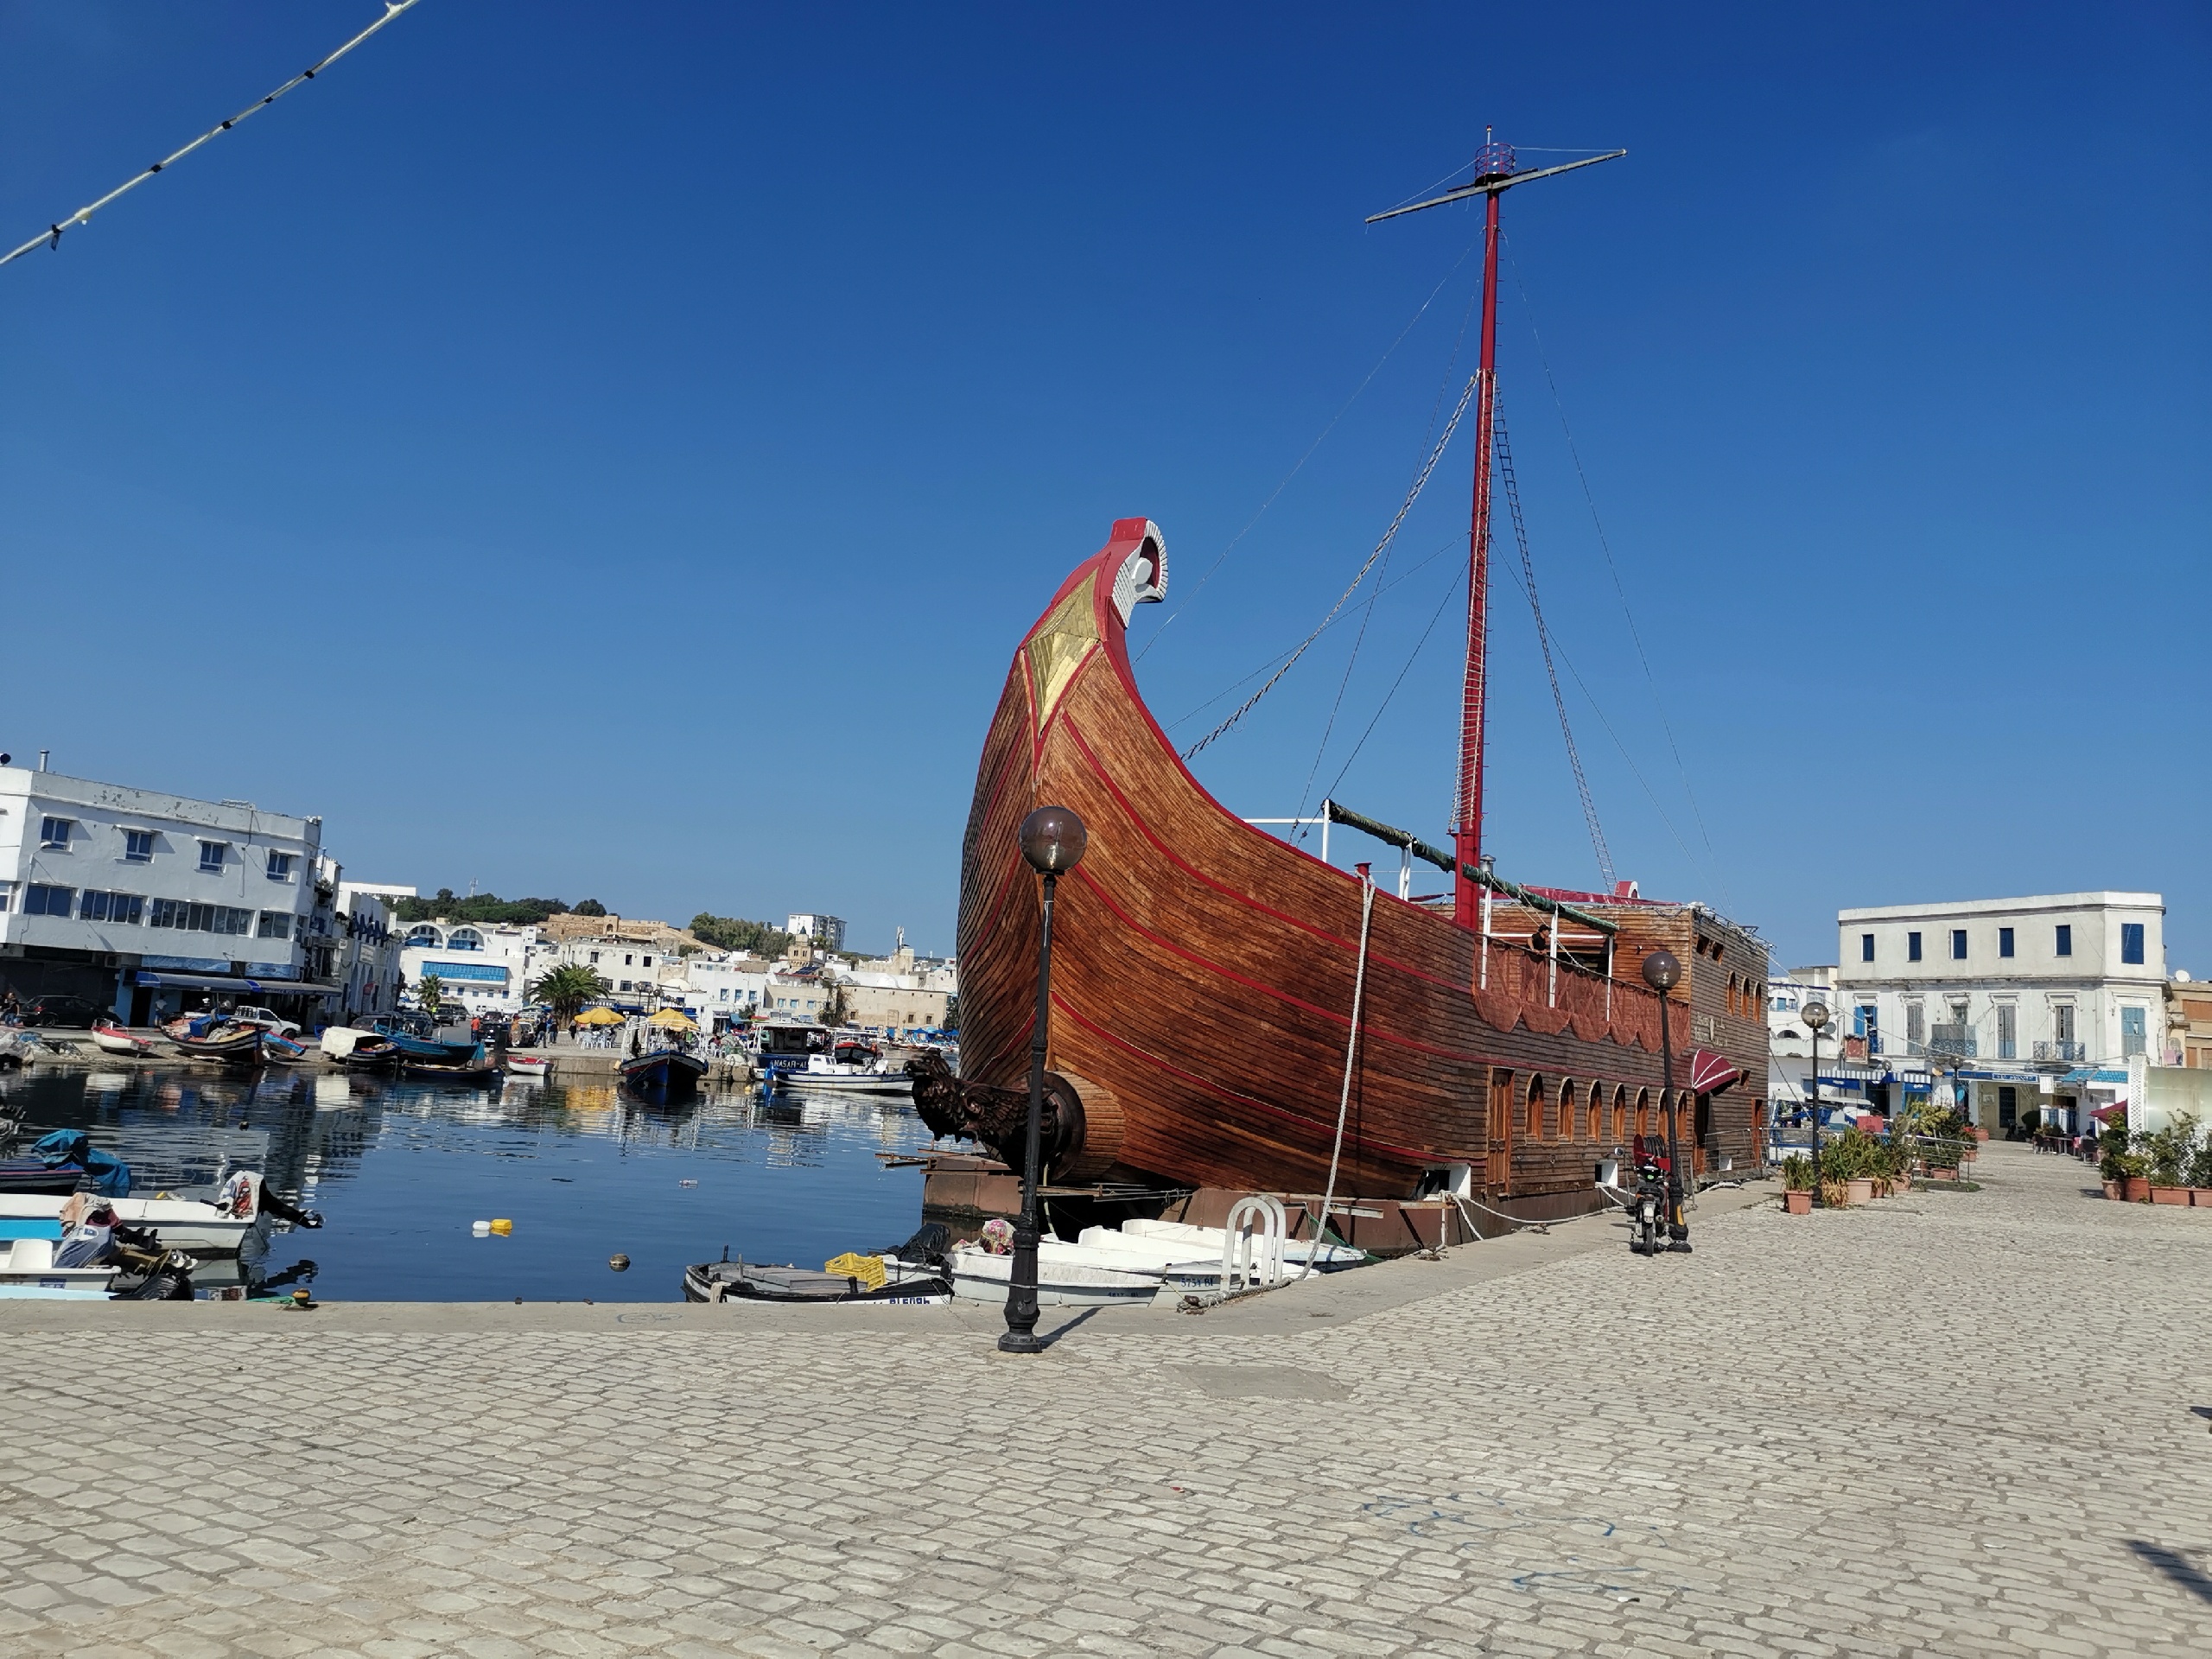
106	1173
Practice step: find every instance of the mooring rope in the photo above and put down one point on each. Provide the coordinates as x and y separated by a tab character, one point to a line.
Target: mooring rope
1352	1053
51	236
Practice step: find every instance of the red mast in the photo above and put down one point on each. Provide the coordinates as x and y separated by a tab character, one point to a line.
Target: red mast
1494	175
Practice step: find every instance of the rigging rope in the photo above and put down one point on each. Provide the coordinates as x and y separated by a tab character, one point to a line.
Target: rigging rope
1435	616
1367	611
1389	536
1544	639
51	236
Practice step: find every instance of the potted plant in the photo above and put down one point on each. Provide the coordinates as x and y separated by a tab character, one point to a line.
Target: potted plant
1798	1185
2200	1174
2112	1160
2169	1152
2135	1178
1850	1164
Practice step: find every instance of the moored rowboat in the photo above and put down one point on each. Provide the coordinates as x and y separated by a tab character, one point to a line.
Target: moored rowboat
114	1040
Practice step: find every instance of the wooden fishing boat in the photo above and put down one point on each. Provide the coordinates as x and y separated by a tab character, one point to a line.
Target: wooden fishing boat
663	1071
35	1175
538	1067
114	1040
475	1071
423	1048
905	1284
224	1045
371	1053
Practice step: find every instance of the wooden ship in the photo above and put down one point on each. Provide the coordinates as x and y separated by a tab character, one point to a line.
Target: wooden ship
1205	972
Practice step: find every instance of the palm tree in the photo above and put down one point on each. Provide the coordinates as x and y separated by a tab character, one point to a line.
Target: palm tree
566	989
429	991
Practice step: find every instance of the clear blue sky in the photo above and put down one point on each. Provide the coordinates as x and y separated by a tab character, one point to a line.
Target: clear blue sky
612	451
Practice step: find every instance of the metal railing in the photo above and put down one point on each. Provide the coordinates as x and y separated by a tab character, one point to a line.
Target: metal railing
2074	1052
1955	1040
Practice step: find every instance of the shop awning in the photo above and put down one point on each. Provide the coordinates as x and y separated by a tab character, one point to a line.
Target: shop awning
1852	1071
1710	1071
2117	1112
235	983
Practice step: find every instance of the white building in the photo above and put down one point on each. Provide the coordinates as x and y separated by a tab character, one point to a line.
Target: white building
368	966
144	902
721	989
826	932
1790	1040
634	968
898	994
2038	1001
483	967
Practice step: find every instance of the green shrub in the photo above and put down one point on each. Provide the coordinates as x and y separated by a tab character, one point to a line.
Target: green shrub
1797	1173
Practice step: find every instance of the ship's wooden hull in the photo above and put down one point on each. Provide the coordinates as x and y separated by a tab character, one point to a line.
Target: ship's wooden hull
1203	970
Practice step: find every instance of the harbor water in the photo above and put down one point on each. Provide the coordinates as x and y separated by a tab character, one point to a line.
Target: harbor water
400	1169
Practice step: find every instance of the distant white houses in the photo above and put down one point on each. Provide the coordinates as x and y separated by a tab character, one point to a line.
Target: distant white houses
2040	1001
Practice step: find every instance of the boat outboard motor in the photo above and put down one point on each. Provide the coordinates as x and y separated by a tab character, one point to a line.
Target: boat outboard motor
171	1281
274	1204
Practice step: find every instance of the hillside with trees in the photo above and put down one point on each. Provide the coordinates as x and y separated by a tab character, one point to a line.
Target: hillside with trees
490	907
734	933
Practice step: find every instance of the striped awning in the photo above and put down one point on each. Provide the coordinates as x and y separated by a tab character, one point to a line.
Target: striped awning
1710	1071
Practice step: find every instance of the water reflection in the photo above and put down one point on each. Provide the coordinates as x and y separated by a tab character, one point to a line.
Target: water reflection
400	1169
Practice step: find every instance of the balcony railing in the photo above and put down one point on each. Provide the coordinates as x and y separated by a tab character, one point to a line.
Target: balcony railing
1951	1042
2074	1053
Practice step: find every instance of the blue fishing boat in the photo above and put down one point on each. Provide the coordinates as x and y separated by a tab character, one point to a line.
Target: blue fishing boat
664	1071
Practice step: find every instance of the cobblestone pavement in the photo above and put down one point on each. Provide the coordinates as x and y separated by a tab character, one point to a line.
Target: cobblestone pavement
1952	1424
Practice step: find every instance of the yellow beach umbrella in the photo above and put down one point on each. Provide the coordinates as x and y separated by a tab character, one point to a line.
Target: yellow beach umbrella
674	1019
599	1017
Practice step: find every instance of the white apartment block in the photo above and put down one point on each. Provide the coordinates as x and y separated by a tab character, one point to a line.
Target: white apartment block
144	902
2051	995
827	933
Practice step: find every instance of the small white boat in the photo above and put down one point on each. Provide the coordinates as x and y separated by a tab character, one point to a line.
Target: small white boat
1209	1243
906	1284
811	1057
187	1224
1068	1276
29	1262
538	1066
114	1040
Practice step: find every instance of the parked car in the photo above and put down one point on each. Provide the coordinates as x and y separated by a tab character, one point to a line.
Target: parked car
267	1020
73	1012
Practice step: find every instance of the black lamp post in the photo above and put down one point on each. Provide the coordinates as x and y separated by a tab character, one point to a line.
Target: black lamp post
1815	1016
1052	840
1661	972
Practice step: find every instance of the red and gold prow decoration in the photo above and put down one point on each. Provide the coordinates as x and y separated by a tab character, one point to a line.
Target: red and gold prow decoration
1089	615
